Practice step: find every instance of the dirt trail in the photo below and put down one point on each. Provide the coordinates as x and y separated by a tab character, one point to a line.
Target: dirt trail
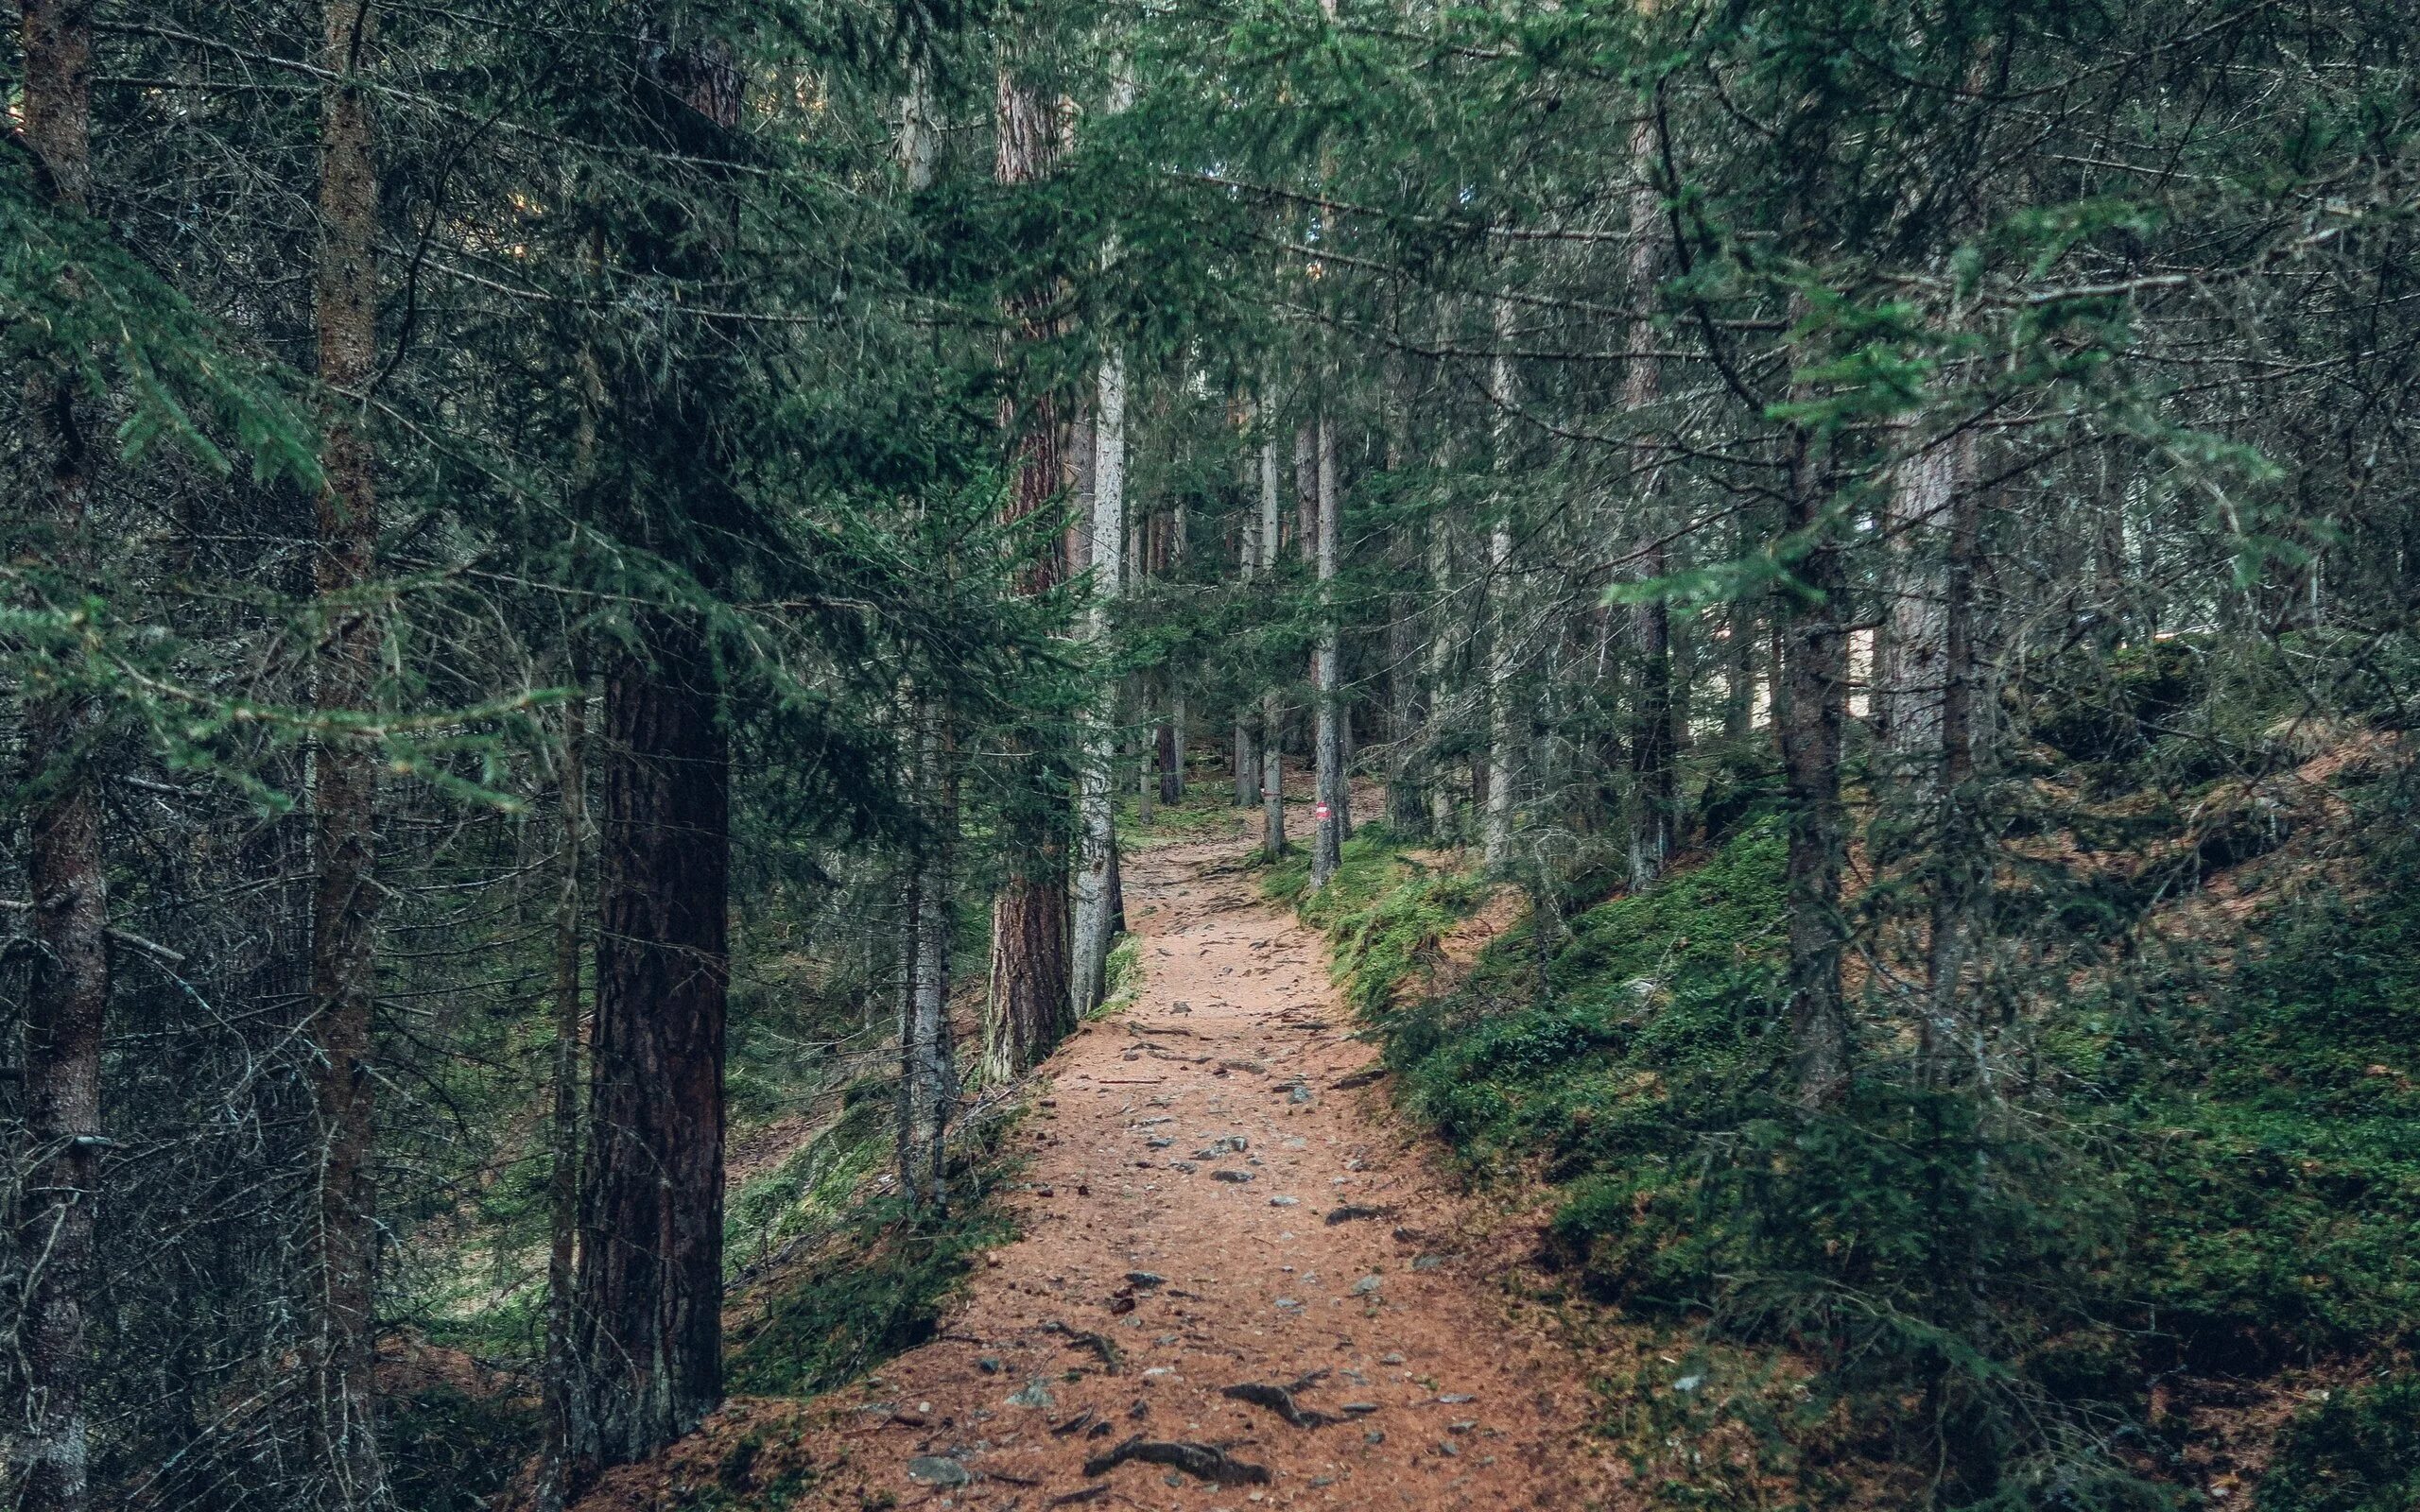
1204	1203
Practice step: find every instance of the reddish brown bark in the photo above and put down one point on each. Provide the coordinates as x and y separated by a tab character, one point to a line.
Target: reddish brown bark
1028	1004
648	1282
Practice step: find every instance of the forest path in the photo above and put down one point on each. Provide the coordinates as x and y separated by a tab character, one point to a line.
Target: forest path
1204	1198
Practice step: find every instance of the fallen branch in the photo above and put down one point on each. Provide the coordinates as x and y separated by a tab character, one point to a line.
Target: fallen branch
1354	1209
1100	1344
1203	1462
1280	1402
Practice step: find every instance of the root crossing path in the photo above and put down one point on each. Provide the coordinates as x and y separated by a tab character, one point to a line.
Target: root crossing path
1234	1286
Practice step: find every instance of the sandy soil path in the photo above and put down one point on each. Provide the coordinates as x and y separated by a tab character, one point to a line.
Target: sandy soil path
1206	1204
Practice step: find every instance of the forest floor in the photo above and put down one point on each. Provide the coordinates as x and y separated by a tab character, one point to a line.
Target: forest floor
1213	1197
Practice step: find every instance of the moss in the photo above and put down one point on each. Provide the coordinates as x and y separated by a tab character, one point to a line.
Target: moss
2224	1175
814	1186
1124	976
879	1293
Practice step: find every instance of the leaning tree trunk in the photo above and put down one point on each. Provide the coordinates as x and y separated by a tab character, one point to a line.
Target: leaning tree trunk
1327	844
1026	1006
1097	818
344	1240
647	1322
67	996
1814	705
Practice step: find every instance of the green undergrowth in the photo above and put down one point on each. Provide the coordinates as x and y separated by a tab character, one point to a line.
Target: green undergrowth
1916	1303
1382	913
874	1286
816	1186
879	1289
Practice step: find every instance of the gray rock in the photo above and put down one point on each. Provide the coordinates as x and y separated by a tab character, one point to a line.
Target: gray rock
939	1469
1367	1284
1032	1394
1238	1177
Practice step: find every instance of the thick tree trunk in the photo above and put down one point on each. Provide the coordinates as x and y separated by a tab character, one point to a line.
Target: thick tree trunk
67	996
1028	1004
1814	705
648	1325
344	788
1327	843
557	1380
1096	819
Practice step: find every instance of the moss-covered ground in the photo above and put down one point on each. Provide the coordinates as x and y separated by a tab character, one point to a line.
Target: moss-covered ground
2208	1193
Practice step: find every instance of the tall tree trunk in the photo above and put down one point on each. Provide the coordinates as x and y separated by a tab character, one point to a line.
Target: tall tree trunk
1955	1047
1501	753
1814	705
1027	1002
1247	764
1327	844
1438	669
67	996
1908	675
1655	782
1168	755
344	784
557	1382
1272	734
648	1327
927	1051
1097	815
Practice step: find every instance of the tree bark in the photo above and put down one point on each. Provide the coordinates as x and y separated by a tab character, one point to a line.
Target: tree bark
1815	678
67	994
1501	754
1327	844
344	786
1097	815
1654	780
1955	1048
1028	1003
1434	773
1272	735
927	1054
557	1383
648	1327
1910	675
